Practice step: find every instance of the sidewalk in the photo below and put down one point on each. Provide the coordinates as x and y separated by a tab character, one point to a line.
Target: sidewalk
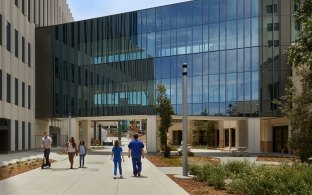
97	178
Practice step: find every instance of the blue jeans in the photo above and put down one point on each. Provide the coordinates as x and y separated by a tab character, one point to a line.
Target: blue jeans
136	164
47	154
81	160
119	166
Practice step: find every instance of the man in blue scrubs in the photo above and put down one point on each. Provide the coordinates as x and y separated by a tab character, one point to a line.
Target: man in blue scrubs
136	150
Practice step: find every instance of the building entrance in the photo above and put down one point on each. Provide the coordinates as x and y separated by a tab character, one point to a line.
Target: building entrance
4	135
229	137
280	137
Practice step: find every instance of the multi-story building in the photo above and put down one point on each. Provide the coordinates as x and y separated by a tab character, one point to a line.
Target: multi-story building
107	69
18	21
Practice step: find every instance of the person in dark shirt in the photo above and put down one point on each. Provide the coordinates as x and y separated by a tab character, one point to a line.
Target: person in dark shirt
136	150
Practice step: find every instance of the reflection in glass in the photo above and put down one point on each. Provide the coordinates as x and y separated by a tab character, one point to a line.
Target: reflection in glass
113	63
213	11
197	89
231	87
213	88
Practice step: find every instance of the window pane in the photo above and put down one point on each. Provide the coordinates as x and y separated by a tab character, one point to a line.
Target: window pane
213	11
197	39
16	43
181	41
247	59
8	36
197	92
247	81
16	91
231	87
8	88
222	88
150	20
29	55
231	37
231	9
181	15
255	85
213	62
213	88
197	64
247	32
255	59
0	84
240	86
255	31
23	49
255	8
247	8
197	12
222	35
231	61
240	33
214	37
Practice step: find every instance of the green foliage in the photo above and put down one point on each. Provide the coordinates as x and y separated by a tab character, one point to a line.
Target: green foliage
299	53
164	108
11	168
296	104
245	178
194	169
257	181
204	132
212	175
283	179
234	168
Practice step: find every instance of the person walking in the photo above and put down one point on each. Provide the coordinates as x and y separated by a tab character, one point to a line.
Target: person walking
46	142
136	150
82	150
72	151
117	155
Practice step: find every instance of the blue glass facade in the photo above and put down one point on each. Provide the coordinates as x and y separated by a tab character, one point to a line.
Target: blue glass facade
111	65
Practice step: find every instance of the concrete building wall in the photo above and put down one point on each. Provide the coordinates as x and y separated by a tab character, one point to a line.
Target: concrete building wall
19	63
266	132
243	133
253	125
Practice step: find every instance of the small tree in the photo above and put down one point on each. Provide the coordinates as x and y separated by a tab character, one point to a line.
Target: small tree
208	129
164	108
297	101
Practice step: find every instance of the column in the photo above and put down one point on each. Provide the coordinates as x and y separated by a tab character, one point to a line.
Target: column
151	134
253	135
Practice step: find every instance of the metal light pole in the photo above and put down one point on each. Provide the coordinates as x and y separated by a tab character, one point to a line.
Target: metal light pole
185	133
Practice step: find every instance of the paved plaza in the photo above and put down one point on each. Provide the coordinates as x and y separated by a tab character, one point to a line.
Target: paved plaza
97	178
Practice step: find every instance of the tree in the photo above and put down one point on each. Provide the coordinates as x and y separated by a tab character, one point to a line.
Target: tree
164	108
297	101
204	132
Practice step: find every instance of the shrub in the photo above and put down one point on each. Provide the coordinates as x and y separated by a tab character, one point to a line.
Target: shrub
212	175
11	169
258	181
194	169
282	179
216	178
233	168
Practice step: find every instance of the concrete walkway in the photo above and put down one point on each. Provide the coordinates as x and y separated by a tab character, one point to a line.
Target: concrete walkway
97	178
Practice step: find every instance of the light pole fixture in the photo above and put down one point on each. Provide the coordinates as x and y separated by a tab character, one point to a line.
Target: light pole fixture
184	120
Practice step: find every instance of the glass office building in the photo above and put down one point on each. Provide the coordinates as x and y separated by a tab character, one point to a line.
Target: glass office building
110	66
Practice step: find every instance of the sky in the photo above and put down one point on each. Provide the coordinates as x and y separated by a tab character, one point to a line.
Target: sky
86	9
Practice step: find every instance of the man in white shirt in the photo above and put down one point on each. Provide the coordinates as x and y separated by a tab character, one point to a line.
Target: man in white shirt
46	142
